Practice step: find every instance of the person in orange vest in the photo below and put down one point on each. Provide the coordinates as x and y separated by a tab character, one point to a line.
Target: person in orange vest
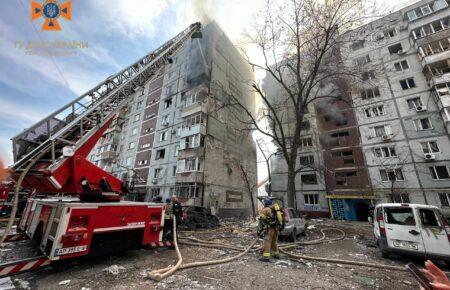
270	224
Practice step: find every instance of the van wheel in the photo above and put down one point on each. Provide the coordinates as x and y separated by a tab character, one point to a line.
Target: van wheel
385	255
294	235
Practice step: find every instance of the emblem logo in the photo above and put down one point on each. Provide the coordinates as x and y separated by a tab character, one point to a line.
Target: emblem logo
51	10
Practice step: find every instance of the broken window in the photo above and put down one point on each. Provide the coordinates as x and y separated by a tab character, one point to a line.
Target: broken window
157	173
375	111
370	93
384	152
307	160
389	33
311	199
445	199
439	172
423	124
306	142
407	84
429	147
309	179
401	65
368	75
395	49
414	103
400	216
167	103
391	174
428	218
160	154
400	197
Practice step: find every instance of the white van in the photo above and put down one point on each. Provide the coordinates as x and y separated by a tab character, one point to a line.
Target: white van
416	229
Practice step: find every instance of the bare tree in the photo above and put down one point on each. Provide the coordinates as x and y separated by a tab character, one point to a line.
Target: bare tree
250	186
266	154
300	44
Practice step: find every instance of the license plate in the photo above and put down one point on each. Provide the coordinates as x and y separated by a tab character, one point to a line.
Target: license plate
70	250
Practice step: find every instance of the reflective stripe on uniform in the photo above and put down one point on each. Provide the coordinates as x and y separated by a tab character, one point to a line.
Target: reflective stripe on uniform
266	255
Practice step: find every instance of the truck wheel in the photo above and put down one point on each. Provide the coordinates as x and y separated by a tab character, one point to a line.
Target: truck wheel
294	235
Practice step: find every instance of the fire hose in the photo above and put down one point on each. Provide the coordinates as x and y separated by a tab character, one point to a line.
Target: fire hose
160	274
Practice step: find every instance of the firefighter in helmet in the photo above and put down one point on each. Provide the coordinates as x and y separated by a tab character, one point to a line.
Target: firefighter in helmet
270	223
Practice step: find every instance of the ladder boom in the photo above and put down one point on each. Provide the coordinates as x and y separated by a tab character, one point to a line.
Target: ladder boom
78	121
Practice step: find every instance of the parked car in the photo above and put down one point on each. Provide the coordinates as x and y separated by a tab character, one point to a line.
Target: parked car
295	224
412	229
195	217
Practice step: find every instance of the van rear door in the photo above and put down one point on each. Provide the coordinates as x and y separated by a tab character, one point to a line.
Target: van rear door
402	230
433	232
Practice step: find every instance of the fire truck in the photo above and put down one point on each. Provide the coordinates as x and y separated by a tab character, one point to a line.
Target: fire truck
80	211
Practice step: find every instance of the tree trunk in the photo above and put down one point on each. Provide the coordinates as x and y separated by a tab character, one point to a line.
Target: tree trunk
291	189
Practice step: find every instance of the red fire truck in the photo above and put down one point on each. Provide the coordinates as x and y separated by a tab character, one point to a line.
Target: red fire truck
82	212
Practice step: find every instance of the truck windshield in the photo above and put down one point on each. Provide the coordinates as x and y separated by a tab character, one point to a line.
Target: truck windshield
400	216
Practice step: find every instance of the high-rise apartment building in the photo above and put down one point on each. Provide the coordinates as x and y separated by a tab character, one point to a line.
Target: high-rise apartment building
391	144
179	136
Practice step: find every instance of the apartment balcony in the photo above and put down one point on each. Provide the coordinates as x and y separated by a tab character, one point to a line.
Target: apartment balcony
192	130
108	155
193	108
433	58
190	176
431	38
191	152
440	78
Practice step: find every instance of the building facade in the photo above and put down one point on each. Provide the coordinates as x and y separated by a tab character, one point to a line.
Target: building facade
179	138
391	144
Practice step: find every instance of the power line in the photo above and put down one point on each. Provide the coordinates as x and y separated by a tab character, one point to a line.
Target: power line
42	40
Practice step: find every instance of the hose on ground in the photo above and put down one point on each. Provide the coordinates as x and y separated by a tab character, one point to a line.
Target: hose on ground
340	261
320	240
16	196
158	275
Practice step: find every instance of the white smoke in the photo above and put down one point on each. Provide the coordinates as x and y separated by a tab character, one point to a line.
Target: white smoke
199	10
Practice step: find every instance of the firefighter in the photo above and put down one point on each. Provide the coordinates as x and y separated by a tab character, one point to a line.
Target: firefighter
168	221
177	209
270	223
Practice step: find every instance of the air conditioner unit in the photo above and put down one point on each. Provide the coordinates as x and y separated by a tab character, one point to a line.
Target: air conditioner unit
155	180
421	108
386	137
430	156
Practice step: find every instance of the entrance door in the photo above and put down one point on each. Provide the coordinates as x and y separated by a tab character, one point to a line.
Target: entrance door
433	232
361	211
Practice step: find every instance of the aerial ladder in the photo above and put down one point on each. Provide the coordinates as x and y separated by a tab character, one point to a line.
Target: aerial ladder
50	159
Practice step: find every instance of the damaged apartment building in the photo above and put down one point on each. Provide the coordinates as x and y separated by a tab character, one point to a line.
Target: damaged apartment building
390	143
178	137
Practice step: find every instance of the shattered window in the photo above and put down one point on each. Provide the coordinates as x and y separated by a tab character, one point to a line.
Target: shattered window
400	216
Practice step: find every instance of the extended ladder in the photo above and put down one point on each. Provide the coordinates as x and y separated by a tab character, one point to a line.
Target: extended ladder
74	123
